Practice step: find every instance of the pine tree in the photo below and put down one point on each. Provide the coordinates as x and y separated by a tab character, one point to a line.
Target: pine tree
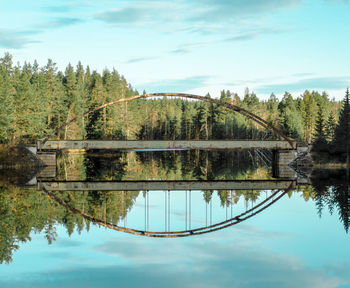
308	108
291	121
319	142
330	126
95	126
29	116
6	102
80	99
69	82
186	120
272	106
203	116
342	131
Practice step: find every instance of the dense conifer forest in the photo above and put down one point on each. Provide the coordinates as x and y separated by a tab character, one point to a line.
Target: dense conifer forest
36	100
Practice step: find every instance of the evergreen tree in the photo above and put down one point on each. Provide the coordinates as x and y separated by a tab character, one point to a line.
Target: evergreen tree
6	99
309	109
35	101
291	121
29	116
330	127
342	131
319	142
272	106
69	82
186	120
203	116
80	98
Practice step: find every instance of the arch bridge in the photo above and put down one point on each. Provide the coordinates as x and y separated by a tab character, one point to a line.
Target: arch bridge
286	148
283	142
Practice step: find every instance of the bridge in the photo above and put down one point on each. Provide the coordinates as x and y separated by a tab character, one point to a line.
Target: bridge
165	144
285	149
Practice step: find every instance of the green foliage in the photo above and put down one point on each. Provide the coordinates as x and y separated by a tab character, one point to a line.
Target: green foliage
291	121
6	99
330	127
36	101
319	142
342	130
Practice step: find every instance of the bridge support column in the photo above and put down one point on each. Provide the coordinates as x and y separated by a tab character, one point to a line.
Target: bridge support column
47	163
47	158
282	159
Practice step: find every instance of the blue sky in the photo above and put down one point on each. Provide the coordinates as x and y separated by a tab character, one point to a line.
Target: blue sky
196	46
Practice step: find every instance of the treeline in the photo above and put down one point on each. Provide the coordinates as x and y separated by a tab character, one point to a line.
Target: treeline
36	100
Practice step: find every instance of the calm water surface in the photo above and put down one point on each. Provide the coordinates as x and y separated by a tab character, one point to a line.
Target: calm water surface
300	240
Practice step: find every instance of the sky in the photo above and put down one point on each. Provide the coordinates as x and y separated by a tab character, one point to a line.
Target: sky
192	46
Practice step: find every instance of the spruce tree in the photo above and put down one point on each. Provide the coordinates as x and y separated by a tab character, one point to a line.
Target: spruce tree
319	142
6	104
330	126
29	110
342	131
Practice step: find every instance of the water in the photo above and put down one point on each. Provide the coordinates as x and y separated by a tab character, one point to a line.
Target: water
70	239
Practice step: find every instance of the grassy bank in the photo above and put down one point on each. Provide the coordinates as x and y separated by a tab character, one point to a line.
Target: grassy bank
330	165
324	160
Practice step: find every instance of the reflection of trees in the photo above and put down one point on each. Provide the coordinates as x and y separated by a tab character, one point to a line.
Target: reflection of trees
332	191
165	165
105	167
341	197
230	197
201	165
24	210
21	212
207	195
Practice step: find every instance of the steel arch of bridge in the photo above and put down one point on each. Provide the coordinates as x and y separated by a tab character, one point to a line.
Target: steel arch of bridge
242	111
274	197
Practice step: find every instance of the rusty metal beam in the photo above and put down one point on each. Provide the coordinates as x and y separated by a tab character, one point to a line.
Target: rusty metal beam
245	113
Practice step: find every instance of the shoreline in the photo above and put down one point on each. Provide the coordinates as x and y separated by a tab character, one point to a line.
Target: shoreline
18	157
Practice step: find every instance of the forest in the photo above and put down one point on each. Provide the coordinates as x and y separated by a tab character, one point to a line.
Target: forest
36	100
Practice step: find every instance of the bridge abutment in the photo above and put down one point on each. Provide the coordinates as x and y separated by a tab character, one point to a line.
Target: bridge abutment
292	164
47	158
281	164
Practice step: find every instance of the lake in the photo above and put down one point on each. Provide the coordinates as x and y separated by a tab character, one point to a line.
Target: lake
285	234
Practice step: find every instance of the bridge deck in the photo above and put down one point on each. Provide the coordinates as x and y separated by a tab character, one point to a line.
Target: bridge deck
168	185
165	144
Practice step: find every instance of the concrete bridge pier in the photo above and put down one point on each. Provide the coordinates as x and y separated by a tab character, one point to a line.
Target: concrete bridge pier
281	161
286	164
47	160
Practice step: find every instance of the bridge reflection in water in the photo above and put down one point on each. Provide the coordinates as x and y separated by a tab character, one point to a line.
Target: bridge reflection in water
184	207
